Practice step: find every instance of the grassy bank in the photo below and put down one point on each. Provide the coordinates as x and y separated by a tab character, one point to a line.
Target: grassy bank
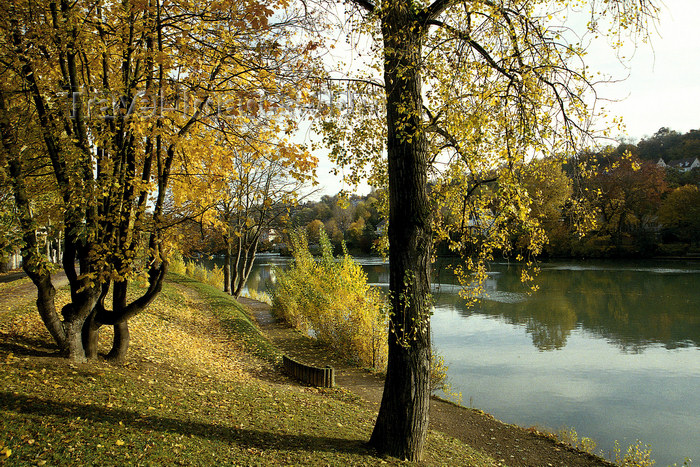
200	387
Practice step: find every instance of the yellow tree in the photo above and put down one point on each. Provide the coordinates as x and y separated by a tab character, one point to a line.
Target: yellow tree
267	184
114	92
472	89
245	187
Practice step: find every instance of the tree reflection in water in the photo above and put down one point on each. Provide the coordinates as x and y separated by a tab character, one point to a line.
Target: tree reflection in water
632	305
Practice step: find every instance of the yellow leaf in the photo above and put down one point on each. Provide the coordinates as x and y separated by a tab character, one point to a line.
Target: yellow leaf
7	452
119	442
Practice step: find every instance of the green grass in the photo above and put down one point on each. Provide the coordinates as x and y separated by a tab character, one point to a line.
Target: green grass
233	317
198	388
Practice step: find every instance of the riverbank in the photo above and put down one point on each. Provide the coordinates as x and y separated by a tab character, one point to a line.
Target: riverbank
201	387
509	444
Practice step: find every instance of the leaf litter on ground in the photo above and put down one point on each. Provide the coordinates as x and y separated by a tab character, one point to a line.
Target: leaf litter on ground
200	386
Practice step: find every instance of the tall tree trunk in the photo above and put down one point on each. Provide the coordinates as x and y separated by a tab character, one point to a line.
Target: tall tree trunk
402	422
227	264
120	344
235	265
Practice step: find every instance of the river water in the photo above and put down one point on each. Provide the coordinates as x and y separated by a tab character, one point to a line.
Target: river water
611	349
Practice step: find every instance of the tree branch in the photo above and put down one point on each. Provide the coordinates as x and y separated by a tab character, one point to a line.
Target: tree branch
367	5
473	44
435	9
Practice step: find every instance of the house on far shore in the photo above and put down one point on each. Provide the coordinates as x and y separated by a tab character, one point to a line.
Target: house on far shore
683	165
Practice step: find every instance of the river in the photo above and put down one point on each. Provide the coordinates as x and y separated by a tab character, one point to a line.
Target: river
611	349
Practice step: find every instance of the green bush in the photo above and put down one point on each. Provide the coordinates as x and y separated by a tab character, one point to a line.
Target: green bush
213	277
330	299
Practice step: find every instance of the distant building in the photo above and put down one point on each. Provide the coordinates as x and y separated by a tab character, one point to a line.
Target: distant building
683	165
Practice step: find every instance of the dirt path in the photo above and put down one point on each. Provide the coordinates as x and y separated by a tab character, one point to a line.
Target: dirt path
510	444
13	290
513	445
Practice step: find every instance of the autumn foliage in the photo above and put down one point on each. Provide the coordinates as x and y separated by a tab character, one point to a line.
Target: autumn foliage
331	299
104	108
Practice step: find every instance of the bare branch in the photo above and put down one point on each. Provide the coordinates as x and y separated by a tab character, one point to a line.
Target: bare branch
435	9
367	5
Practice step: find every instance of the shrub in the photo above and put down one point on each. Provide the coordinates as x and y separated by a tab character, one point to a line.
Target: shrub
637	455
331	300
439	380
213	277
177	264
570	436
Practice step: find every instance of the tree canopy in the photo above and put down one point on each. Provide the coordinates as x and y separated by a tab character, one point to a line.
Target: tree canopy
102	106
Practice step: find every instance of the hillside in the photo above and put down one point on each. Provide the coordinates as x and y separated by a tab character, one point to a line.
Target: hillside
200	387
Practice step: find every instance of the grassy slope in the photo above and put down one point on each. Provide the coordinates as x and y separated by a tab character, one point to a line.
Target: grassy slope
198	388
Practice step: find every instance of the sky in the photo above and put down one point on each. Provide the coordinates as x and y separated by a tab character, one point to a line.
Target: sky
663	87
658	85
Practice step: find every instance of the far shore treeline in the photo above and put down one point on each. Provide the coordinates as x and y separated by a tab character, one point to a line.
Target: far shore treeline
644	207
645	196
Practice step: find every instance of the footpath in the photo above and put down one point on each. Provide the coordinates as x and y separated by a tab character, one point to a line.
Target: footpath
16	284
511	444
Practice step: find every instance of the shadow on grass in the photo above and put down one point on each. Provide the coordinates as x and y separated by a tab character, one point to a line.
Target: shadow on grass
246	438
23	346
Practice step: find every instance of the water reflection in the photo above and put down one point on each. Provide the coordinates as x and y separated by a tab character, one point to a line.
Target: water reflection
608	348
632	307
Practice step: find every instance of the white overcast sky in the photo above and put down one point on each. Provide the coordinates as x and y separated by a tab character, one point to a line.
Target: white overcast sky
663	87
659	87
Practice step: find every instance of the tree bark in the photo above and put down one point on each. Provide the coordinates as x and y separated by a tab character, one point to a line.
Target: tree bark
235	265
91	332
74	341
78	324
402	422
120	344
46	306
227	263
